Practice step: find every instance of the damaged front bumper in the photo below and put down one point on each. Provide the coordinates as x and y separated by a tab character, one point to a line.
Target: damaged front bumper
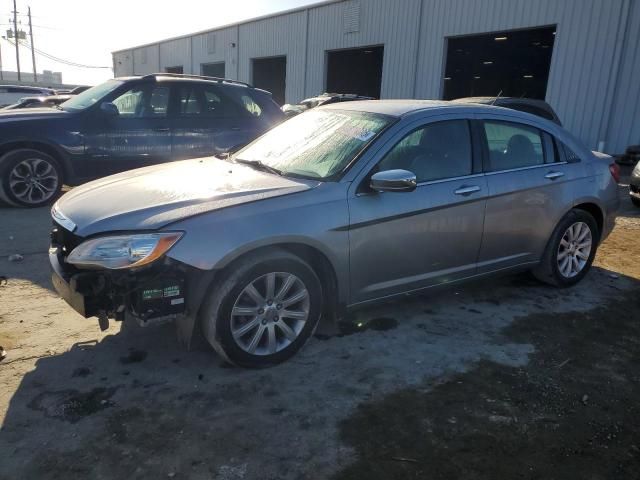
151	294
165	290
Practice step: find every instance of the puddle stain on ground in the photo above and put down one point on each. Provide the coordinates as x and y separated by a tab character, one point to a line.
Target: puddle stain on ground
570	413
135	356
72	405
352	326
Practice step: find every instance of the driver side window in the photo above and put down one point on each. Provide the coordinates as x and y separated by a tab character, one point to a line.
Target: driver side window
434	152
131	103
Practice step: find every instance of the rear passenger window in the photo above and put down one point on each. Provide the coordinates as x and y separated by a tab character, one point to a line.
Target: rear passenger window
158	102
569	155
250	105
513	145
188	101
436	151
550	150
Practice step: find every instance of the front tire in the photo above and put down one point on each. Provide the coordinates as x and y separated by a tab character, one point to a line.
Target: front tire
570	250
29	178
263	310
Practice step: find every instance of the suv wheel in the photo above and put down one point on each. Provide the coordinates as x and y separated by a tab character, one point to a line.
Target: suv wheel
264	310
635	201
30	178
570	251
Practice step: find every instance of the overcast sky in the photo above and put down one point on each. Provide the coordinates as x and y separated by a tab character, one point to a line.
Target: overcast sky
87	31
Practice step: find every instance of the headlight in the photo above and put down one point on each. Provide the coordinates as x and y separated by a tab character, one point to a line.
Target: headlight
123	251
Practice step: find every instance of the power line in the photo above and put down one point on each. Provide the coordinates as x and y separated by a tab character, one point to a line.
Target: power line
58	59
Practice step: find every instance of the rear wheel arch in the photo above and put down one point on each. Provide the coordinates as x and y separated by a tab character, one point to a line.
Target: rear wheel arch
595	211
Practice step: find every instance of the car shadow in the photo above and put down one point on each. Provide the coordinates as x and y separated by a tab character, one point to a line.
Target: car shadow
25	232
134	405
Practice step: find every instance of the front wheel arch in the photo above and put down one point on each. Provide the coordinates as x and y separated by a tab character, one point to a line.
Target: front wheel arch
44	147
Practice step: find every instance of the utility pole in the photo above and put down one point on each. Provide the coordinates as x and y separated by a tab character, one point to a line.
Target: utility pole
33	52
16	37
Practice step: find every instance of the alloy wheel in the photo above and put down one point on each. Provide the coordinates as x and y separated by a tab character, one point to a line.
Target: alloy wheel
574	250
270	313
33	181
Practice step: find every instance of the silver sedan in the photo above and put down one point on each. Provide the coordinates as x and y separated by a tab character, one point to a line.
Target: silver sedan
336	208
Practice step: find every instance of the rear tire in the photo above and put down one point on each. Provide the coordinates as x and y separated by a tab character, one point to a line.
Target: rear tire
29	178
635	201
263	309
570	250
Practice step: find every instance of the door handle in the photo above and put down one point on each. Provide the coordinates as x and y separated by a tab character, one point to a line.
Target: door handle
161	129
235	129
467	190
553	175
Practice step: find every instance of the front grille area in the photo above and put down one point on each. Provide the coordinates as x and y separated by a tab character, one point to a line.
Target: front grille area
64	240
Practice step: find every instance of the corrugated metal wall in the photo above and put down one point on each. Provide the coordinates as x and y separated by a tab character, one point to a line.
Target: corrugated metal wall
586	37
146	60
392	24
276	36
176	53
213	47
594	69
623	128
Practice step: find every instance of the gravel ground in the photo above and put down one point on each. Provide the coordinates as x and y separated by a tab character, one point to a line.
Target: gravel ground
450	384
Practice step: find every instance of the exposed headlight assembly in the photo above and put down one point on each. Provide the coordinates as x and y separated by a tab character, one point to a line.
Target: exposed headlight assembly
123	251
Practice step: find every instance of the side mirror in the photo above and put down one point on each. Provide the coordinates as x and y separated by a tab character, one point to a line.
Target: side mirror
394	181
109	109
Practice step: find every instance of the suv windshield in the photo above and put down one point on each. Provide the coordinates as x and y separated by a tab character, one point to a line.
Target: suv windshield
91	96
316	144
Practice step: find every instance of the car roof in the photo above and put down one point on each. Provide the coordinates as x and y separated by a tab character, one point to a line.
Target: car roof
179	77
502	100
396	108
399	108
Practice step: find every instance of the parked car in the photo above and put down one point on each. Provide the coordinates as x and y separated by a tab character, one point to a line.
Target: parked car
123	124
38	102
631	155
79	89
528	105
10	94
634	185
336	208
291	110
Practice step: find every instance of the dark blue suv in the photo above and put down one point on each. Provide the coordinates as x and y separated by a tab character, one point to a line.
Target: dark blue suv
122	124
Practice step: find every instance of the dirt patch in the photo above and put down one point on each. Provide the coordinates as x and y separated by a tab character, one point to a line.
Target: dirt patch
619	252
571	413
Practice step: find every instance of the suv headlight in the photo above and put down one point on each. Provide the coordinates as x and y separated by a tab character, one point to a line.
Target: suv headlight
122	251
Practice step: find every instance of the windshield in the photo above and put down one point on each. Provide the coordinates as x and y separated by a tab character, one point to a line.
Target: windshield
316	144
91	96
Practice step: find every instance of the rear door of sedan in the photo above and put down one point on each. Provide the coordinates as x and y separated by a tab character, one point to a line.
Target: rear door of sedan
403	241
531	185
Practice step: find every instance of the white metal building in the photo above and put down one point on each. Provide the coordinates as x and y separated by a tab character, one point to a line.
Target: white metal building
582	56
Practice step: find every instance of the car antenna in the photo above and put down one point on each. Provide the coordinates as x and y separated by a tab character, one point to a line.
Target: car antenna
497	98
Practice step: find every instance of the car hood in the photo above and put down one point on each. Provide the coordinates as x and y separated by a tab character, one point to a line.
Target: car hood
22	114
152	197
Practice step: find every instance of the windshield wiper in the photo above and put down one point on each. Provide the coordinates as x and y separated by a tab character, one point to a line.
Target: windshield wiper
258	165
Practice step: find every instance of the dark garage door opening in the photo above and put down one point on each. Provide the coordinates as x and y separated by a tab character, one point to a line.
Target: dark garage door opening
212	69
357	70
515	62
271	74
